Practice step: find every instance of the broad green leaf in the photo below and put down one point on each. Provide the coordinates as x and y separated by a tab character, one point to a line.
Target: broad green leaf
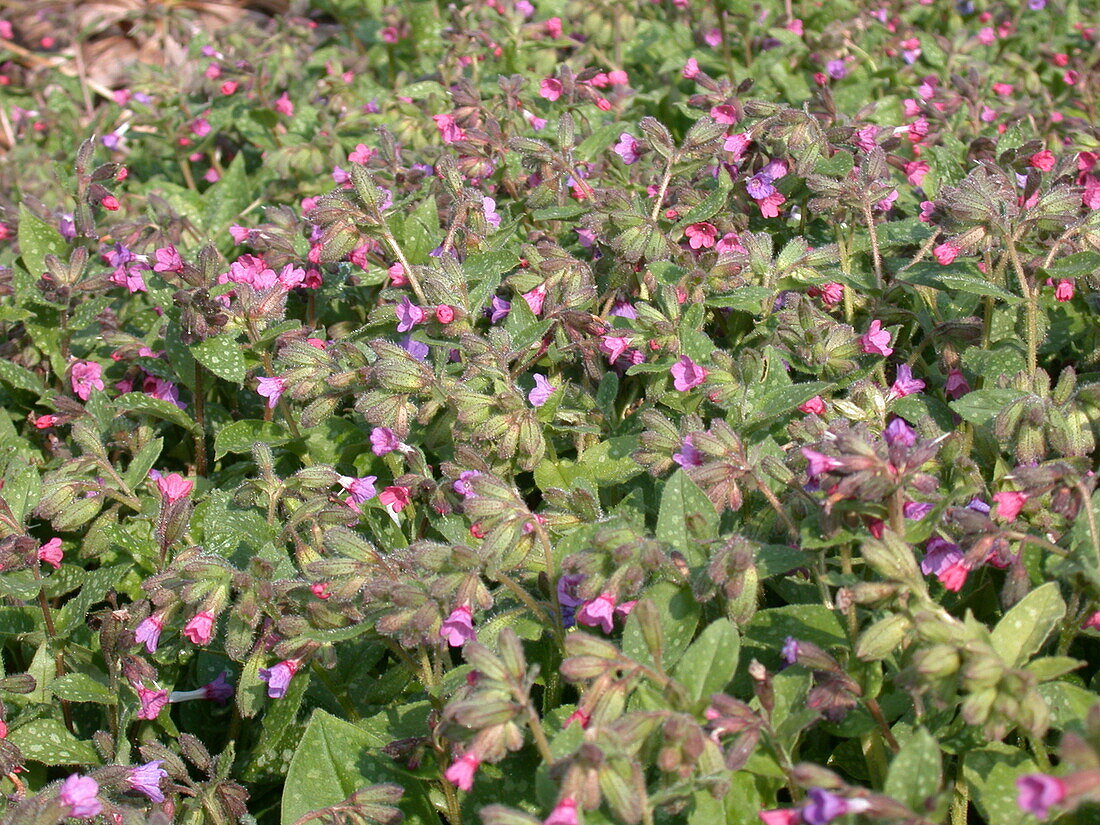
80	687
22	490
807	622
1023	629
1069	704
991	772
226	199
143	462
333	760
679	613
1077	265
239	436
137	402
37	239
223	356
982	406
686	517
20	377
916	771
47	741
96	584
708	665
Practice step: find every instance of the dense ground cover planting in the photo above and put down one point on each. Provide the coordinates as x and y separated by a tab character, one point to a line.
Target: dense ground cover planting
556	412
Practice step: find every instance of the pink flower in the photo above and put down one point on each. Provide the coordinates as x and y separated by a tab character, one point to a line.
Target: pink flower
876	341
1009	504
51	553
904	383
395	498
272	389
769	206
174	487
553	27
915	171
1092	622
168	260
200	628
780	816
1043	161
541	392
1091	196
701	235
383	440
945	253
535	298
450	131
955	386
627	148
687	375
550	88
85	377
724	114
598	612
618	78
461	773
737	144
815	405
152	702
284	106
613	346
794	26
954	577
78	796
564	813
278	678
1064	290
865	136
148	632
819	462
200	127
1002	89
1038	793
361	154
240	234
458	628
986	36
691	68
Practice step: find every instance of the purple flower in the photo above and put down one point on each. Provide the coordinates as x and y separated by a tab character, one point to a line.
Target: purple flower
823	807
759	186
687	374
272	389
939	554
688	455
598	612
417	349
568	598
904	383
278	678
383	440
790	650
899	432
819	462
979	506
624	309
499	310
1036	5
78	794
359	489
541	392
458	628
461	484
489	207
1039	792
627	148
146	779
219	690
916	510
148	632
408	314
836	69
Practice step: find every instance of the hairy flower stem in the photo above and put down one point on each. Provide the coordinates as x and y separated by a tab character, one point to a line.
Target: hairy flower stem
1031	304
880	720
1086	502
399	253
1070	624
773	500
551	575
200	420
59	657
541	742
960	803
525	597
876	256
663	188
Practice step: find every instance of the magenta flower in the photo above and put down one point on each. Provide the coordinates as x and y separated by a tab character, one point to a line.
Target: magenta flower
458	628
899	432
152	702
819	462
1063	291
737	145
701	235
200	628
489	208
86	376
284	105
876	341
1038	792
278	678
550	88
51	553
535	298
541	392
462	483
219	691
691	69
395	499
1009	504
78	795
271	388
687	375
815	405
148	632
499	310
945	253
598	612
461	773
627	148
145	779
904	383
168	260
564	813
688	455
449	130
383	440
956	385
613	346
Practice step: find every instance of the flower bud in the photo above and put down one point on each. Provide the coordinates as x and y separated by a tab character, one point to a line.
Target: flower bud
883	637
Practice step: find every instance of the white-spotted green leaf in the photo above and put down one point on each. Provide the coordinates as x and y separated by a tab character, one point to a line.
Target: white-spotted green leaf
1023	629
222	355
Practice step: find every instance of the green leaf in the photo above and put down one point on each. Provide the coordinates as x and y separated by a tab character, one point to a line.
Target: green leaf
807	622
1023	629
142	404
991	772
679	614
223	356
686	517
335	759
227	198
963	282
239	436
95	587
1077	265
779	401
20	377
916	772
982	406
22	490
143	462
709	664
747	299
47	741
705	209
37	239
80	687
1069	704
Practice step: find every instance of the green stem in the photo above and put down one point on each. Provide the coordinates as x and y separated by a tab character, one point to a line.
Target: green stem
876	256
1031	301
200	420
